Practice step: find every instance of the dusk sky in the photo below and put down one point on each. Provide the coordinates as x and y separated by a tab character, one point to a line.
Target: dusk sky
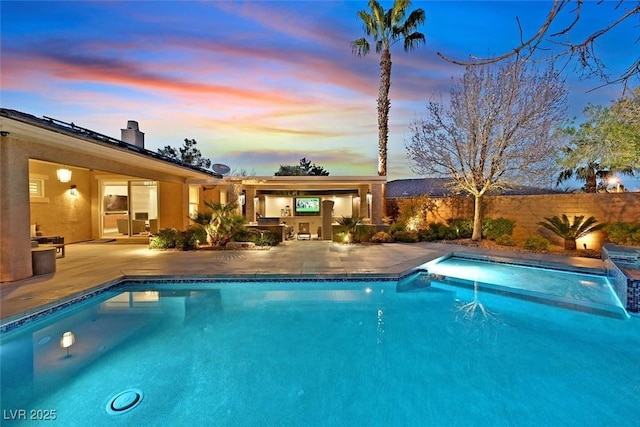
263	83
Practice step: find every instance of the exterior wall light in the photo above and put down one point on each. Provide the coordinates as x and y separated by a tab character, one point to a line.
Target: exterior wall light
64	175
242	198
73	190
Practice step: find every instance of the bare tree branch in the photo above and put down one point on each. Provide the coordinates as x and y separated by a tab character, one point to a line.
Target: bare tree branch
583	51
495	132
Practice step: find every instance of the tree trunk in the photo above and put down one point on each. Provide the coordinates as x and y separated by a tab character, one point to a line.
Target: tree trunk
591	184
383	110
570	244
477	219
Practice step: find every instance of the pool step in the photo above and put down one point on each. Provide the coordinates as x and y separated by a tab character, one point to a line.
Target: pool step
451	283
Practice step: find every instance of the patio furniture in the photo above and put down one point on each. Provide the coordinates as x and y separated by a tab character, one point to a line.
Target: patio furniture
137	226
303	231
56	241
43	260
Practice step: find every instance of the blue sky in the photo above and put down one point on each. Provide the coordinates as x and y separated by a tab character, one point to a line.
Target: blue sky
262	83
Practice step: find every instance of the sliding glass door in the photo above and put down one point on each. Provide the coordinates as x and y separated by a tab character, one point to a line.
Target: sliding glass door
129	208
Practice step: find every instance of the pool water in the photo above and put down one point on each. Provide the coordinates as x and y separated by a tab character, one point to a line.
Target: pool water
323	354
571	289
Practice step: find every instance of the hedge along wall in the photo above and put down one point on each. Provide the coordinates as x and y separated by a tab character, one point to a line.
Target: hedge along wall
527	211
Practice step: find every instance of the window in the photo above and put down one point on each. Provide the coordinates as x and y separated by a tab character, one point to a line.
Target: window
36	187
194	199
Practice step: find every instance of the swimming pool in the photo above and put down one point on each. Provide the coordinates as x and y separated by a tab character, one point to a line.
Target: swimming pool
576	289
321	353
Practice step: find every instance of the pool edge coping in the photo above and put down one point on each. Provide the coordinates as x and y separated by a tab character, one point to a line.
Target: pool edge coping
17	320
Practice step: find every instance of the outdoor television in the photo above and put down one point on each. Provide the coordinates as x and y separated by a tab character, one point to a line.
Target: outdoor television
114	203
307	205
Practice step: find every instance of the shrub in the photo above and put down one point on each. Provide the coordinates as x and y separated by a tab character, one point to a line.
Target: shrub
405	236
188	240
269	238
463	227
563	227
624	233
381	237
492	228
363	233
166	238
505	240
395	227
349	225
200	234
437	231
536	243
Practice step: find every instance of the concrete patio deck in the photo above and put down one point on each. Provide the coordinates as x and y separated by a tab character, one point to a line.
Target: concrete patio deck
88	266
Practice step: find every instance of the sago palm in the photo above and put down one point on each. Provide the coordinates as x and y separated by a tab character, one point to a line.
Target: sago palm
349	225
561	226
224	222
386	28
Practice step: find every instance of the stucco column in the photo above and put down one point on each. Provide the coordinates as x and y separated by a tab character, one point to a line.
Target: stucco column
364	207
327	219
377	203
15	217
250	205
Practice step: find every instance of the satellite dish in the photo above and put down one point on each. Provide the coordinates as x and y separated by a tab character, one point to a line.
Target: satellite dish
220	168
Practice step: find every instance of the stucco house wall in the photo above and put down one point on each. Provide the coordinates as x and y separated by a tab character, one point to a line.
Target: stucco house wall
173	199
59	212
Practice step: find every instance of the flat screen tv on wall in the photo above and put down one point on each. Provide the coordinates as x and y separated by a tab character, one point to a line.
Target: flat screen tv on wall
115	203
307	205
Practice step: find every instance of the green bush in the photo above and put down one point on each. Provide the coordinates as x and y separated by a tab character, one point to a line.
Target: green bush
188	240
166	238
381	237
536	243
437	231
269	238
245	235
200	234
505	240
405	236
624	233
363	233
395	227
492	228
463	227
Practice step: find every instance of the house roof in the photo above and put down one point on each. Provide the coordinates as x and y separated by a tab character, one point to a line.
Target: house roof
439	187
400	188
70	129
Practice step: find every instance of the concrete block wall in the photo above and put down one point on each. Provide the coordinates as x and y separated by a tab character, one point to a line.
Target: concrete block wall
527	211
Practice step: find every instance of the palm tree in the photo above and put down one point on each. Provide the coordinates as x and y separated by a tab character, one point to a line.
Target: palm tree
590	174
561	226
221	223
350	225
386	28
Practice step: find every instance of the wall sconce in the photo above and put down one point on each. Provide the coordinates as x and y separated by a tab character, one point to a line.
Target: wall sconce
356	199
67	340
64	175
256	200
242	198
73	190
